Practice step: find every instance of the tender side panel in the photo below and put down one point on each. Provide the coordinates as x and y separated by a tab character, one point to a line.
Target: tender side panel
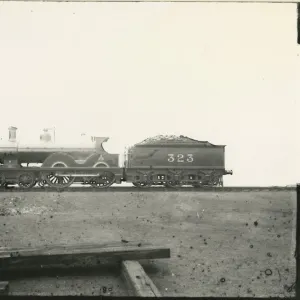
178	156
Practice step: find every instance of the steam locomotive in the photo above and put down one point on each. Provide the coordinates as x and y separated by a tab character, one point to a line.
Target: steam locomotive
163	160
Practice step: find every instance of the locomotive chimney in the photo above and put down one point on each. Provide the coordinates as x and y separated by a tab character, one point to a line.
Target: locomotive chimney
12	131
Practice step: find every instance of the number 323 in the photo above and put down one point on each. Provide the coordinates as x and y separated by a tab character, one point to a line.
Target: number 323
180	158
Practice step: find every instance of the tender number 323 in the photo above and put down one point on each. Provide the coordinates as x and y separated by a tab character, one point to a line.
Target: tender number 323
180	157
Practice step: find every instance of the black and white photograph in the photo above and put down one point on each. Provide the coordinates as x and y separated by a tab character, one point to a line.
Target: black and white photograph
149	149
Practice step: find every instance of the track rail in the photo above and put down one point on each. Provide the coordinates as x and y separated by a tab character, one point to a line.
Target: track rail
150	189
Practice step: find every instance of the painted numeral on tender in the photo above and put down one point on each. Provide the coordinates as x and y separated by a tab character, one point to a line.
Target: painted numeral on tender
171	157
190	158
180	158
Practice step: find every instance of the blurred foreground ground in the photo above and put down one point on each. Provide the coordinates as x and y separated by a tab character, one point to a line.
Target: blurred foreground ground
222	244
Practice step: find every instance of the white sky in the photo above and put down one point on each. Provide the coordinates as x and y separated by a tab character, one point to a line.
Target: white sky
226	73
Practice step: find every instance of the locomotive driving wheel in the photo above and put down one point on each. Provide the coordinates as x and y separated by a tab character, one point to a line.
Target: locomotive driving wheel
26	180
105	180
58	181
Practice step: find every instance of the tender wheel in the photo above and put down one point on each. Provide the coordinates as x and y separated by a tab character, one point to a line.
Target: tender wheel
141	184
59	181
174	179
26	180
197	185
103	181
214	180
147	181
173	184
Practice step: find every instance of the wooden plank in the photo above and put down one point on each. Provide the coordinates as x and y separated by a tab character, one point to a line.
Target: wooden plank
114	252
8	250
4	285
138	282
121	250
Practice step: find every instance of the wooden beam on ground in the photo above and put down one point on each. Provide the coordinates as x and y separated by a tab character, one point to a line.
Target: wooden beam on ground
4	285
137	280
114	252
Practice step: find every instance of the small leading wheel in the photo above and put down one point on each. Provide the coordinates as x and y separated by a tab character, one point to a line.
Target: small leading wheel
42	183
105	180
26	180
58	181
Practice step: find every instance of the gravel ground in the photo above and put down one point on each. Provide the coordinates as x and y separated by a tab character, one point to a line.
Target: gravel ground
222	244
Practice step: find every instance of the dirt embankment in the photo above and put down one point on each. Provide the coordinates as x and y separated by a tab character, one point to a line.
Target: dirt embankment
222	244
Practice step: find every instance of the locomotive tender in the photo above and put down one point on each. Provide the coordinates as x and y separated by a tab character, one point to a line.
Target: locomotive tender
163	160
